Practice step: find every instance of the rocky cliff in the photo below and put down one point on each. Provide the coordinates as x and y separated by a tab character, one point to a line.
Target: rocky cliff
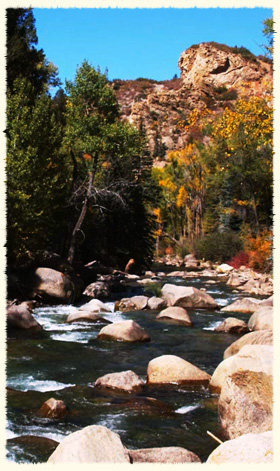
212	75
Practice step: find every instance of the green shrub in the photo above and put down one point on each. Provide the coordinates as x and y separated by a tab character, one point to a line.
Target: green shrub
218	246
153	289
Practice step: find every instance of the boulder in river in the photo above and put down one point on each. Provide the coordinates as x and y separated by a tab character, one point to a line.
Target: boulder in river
231	325
175	314
170	454
140	302
125	305
32	445
95	305
52	286
155	303
245	305
261	337
126	331
250	357
125	381
262	319
246	403
187	297
249	448
87	316
19	317
92	444
267	301
224	268
236	279
54	409
98	289
171	369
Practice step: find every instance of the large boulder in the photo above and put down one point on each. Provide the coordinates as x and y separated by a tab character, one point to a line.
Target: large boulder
249	448
262	319
261	337
261	285
245	305
78	316
125	305
126	331
54	409
52	286
267	301
135	303
236	279
224	268
155	303
170	454
95	305
231	325
98	289
246	403
175	314
125	381
33	446
168	369
19	317
250	357
140	302
187	297
92	444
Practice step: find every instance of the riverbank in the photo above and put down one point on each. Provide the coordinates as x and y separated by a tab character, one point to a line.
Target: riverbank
64	361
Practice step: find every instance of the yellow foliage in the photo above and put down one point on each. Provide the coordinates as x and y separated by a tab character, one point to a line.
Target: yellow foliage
259	249
182	197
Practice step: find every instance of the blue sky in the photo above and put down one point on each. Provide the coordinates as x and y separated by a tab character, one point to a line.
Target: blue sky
134	43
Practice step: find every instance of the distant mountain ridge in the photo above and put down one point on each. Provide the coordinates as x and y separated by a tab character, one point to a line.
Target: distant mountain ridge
212	75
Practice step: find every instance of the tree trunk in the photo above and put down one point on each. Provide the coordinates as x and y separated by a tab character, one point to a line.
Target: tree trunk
80	221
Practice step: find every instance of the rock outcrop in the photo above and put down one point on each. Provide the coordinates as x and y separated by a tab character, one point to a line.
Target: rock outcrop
212	75
216	65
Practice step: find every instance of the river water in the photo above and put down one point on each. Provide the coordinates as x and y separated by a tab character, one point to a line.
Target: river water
65	360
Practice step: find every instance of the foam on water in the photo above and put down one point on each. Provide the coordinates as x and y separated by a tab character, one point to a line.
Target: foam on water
113	422
212	325
187	409
79	337
26	382
114	316
224	301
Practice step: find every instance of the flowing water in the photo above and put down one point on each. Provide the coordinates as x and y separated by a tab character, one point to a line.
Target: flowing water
65	360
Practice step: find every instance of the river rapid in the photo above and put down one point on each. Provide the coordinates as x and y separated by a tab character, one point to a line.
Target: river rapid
65	360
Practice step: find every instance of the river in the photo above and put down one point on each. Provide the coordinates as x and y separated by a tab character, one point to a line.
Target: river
65	360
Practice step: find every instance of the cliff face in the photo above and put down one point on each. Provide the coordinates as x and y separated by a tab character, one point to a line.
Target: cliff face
212	75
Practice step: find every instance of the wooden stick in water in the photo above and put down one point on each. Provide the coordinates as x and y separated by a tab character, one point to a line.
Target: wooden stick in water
215	438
